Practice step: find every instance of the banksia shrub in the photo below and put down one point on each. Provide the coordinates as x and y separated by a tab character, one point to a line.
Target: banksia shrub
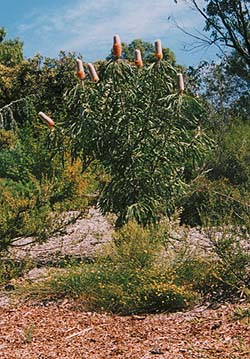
49	122
181	85
93	73
117	47
138	59
158	50
80	71
142	132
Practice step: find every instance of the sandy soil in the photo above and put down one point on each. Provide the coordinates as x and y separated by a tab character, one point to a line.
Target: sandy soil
81	239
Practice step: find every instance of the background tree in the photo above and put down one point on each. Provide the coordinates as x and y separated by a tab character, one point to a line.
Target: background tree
224	85
227	22
36	84
11	51
37	178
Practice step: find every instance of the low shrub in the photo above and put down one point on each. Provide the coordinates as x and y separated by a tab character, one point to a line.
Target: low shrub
37	184
221	194
105	287
10	269
144	270
231	245
127	277
231	158
212	203
24	211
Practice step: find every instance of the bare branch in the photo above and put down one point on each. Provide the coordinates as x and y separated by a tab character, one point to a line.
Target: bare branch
230	25
202	41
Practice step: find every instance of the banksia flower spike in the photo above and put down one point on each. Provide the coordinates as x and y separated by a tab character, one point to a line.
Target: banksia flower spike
138	59
93	73
158	50
117	47
181	85
49	122
80	71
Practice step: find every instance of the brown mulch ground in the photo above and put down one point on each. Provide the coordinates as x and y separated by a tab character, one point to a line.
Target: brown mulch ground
61	330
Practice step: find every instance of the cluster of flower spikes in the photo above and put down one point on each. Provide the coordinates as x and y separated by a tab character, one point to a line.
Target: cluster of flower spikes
117	52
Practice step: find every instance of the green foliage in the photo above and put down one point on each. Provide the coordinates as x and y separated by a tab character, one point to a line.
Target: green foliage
29	155
214	203
145	270
222	195
231	159
11	51
38	179
143	132
219	274
7	139
242	314
29	333
34	209
231	246
36	184
36	84
10	269
48	79
145	135
24	211
225	85
126	278
147	143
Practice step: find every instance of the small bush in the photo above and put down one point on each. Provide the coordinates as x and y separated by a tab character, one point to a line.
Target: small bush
231	246
24	211
10	269
212	203
231	158
104	287
127	277
221	196
144	270
37	184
